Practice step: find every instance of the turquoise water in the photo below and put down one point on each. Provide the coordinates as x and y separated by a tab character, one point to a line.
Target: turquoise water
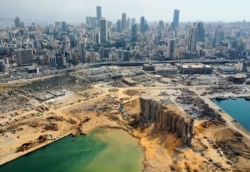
103	150
239	109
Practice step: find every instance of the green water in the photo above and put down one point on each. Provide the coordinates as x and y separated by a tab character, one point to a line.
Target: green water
103	150
239	109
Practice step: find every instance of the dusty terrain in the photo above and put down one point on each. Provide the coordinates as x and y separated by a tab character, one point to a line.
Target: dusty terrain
99	106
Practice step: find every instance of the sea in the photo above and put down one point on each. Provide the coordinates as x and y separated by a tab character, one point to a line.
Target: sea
238	108
103	150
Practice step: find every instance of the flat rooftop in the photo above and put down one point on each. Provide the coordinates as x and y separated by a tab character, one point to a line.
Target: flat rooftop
195	65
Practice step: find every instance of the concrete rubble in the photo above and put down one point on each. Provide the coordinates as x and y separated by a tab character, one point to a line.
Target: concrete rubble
153	110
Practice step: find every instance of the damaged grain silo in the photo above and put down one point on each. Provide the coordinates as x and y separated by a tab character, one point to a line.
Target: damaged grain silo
167	117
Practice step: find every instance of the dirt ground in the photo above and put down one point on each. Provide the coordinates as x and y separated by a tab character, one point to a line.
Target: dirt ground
97	107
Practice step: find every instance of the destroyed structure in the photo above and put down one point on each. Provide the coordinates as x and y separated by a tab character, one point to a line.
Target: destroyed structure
167	118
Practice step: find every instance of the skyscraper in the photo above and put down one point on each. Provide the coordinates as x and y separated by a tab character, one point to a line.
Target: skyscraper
175	23
60	60
192	39
128	23
83	51
2	67
200	32
72	39
171	49
161	24
119	25
126	56
134	33
97	38
124	20
17	22
64	26
142	24
24	57
103	30
1	43
98	13
133	21
219	35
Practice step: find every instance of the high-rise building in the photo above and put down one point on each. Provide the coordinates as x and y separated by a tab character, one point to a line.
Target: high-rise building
22	24
242	66
60	61
133	21
6	62
24	57
98	13
134	33
72	39
126	56
101	50
124	21
83	51
11	35
68	56
200	32
161	24
2	67
17	22
171	49
119	25
97	38
58	26
157	39
91	21
128	23
219	35
103	30
64	26
52	61
143	23
175	23
91	58
192	39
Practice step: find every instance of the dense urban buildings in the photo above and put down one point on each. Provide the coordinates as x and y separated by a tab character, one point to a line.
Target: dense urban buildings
99	39
154	79
145	40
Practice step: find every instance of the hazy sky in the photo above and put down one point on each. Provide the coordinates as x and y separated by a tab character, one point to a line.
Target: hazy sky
73	11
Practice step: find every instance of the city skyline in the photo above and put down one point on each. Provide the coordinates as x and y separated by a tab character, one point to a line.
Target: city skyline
75	11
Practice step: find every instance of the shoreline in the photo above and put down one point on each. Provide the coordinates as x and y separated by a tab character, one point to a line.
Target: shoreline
158	149
232	121
236	123
74	134
33	149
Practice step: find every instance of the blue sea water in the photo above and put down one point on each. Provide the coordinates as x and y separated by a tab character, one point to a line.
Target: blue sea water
239	109
99	151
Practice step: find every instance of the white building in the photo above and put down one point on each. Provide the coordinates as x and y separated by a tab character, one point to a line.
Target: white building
166	70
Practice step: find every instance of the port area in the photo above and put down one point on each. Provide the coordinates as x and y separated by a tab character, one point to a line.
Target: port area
35	120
